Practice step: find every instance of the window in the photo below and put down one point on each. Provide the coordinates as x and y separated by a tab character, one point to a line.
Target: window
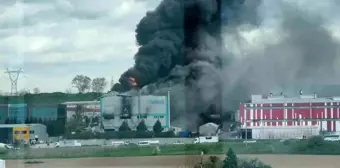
32	132
142	117
20	132
158	116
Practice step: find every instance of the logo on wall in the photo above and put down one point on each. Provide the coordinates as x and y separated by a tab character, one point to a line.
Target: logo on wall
156	101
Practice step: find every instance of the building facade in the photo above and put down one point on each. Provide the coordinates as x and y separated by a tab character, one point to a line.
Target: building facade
115	109
23	112
17	112
297	112
88	108
26	132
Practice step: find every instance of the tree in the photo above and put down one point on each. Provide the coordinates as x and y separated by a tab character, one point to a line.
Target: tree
157	128
142	126
124	127
231	160
23	92
82	83
36	90
76	124
98	85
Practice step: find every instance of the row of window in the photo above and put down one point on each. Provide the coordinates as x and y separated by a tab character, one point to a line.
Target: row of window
139	117
144	117
23	132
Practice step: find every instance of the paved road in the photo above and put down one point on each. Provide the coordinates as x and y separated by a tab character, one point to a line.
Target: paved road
101	142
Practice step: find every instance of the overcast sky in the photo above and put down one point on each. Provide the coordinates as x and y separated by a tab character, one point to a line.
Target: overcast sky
54	40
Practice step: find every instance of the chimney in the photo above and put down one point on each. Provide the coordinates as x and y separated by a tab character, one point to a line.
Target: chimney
271	94
281	94
301	92
315	95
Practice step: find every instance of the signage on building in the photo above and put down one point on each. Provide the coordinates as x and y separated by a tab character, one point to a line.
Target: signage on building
156	101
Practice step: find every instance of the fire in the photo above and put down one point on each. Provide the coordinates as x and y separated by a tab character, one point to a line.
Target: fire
132	81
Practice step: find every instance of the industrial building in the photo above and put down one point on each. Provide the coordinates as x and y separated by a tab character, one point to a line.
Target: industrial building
89	108
21	112
22	132
288	116
115	109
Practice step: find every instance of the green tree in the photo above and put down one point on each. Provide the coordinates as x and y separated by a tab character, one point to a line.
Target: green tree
124	127
82	83
231	160
76	123
142	127
98	85
157	128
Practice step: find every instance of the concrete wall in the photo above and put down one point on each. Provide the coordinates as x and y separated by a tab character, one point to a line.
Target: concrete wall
40	130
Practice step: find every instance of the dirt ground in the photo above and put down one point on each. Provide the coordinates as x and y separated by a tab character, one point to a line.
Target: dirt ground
277	161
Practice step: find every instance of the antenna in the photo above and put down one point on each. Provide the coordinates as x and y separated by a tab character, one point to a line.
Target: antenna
14	76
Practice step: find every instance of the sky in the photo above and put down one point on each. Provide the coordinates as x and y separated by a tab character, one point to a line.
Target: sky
55	40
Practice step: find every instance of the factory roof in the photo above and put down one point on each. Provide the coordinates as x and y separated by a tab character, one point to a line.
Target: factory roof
260	99
17	125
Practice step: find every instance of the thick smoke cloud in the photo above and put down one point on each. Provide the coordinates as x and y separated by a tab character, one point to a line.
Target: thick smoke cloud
305	55
181	49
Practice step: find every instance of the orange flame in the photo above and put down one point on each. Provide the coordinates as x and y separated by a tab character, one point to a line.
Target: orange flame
132	81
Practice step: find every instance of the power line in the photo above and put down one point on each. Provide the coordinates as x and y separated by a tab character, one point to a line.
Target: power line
14	76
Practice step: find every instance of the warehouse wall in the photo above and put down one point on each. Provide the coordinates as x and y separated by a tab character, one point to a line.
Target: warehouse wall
280	111
292	132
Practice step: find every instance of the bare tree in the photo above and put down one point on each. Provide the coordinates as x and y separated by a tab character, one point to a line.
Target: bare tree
82	83
98	84
36	90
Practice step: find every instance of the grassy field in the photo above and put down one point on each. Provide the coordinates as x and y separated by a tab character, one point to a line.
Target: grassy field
312	146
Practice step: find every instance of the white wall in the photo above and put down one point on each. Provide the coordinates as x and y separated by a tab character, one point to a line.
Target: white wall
152	107
290	132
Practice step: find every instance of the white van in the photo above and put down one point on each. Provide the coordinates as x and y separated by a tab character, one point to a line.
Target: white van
207	139
332	138
118	143
143	143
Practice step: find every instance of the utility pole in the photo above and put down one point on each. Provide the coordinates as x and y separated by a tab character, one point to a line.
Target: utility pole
111	82
14	76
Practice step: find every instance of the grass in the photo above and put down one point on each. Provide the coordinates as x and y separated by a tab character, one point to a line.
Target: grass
261	147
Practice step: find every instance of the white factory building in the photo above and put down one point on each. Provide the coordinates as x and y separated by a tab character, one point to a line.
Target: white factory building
115	109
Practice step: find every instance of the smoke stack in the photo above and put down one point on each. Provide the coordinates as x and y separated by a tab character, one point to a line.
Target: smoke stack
281	94
301	92
271	94
315	95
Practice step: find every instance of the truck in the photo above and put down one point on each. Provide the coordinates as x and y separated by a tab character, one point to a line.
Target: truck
206	139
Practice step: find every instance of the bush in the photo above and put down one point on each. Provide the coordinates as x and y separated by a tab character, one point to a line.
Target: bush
315	145
252	163
167	134
215	162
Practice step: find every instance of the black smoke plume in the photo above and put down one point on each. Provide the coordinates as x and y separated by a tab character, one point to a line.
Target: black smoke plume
181	45
181	49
